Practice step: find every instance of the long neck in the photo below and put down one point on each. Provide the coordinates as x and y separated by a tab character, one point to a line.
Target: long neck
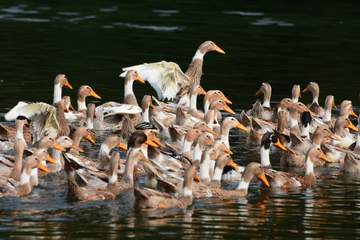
19	149
243	185
90	122
295	99
129	171
197	153
224	135
305	131
128	88
204	170
327	116
198	55
56	157
315	97
358	140
24	178
265	157
57	93
309	167
206	106
293	118
193	102
81	105
217	174
267	96
186	147
145	115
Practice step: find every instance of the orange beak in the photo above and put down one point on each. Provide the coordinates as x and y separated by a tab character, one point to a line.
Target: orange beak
217	49
151	143
332	136
299	95
352	127
95	116
90	138
93	94
76	147
203	92
210	131
279	146
242	127
50	160
226	100
258	93
228	151
122	146
27	125
197	179
68	86
306	90
333	106
43	168
66	110
323	157
227	109
71	108
353	115
233	165
151	106
143	158
264	180
311	113
216	156
58	147
157	141
140	80
212	142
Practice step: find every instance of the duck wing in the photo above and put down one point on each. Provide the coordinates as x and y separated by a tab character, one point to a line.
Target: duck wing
165	77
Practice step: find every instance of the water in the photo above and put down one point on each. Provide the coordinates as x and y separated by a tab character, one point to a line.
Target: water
280	43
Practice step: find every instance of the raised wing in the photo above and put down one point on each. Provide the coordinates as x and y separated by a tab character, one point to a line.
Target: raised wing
165	77
43	118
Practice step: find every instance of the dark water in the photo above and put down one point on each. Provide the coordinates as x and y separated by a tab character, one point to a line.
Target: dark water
276	42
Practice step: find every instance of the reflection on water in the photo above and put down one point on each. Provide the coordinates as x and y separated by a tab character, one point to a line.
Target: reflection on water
283	44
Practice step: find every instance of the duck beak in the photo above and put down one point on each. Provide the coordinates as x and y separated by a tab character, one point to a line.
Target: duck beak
58	147
68	86
140	80
210	131
333	106
242	127
203	92
227	109
93	94
226	100
27	125
119	167
323	157
353	115
66	110
76	147
258	93
228	151
279	146
216	156
332	136
311	113
95	116
151	143
299	95
122	146
233	165
143	158
197	179
50	160
90	138
306	90
264	180
157	141
352	127
217	49
43	168
151	106
71	108
212	142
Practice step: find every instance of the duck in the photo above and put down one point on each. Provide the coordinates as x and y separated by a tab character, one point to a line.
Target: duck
43	156
90	115
289	180
313	87
282	132
153	199
225	170
351	164
80	133
227	124
295	110
199	144
9	133
284	106
83	92
195	91
211	95
296	93
24	187
107	145
77	193
267	141
167	78
346	110
115	111
262	111
208	155
346	139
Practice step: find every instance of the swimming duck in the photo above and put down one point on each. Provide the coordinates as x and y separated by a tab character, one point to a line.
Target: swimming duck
226	125
295	110
262	111
195	91
167	78
209	154
233	172
351	164
199	144
104	154
148	198
313	87
80	133
289	180
346	139
43	156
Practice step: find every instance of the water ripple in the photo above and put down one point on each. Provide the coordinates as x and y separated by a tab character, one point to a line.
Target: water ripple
154	28
244	13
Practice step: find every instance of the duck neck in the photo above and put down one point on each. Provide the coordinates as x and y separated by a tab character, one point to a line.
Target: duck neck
90	122
293	121
224	135
129	171
128	88
295	99
193	102
56	157
315	97
206	106
327	116
81	105
19	150
305	131
309	167
204	170
358	140
217	174
24	177
57	93
145	115
198	55
265	157
267	96
197	153
186	146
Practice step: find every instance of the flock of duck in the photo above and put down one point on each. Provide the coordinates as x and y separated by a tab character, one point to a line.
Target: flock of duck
183	152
